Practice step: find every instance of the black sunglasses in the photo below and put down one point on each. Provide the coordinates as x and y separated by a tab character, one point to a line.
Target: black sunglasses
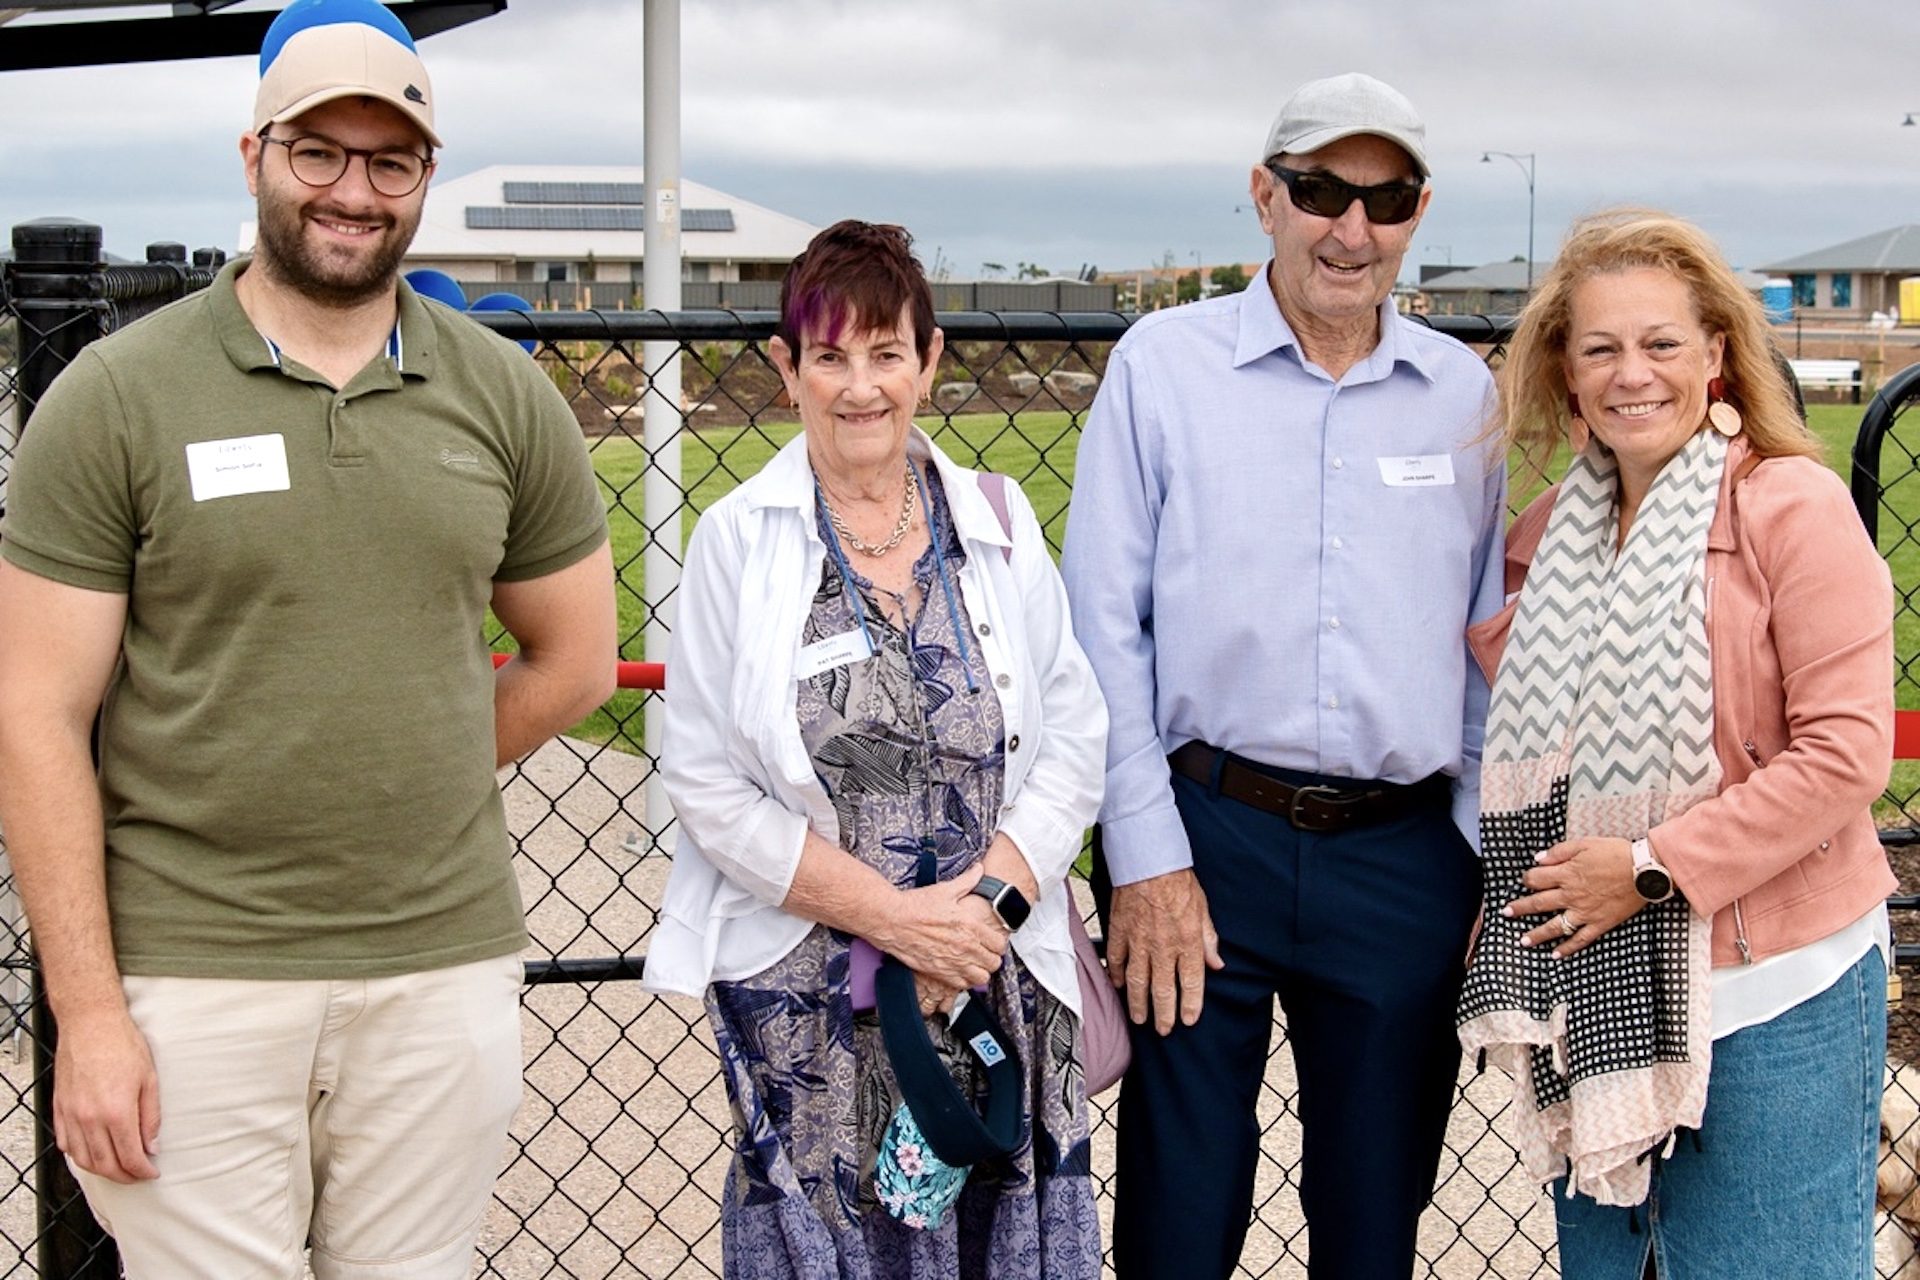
1325	196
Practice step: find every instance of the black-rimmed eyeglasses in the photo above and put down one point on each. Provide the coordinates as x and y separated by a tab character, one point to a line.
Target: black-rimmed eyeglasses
321	162
1325	196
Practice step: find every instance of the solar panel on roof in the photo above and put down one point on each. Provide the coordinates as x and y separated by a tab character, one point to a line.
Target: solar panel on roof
632	193
586	218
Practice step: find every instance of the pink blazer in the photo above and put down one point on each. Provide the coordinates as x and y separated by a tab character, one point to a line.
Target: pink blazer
1800	628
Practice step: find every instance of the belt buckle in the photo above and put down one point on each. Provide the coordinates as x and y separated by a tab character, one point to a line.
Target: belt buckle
1326	794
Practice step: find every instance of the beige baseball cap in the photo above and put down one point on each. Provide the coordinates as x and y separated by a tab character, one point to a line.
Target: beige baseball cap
320	50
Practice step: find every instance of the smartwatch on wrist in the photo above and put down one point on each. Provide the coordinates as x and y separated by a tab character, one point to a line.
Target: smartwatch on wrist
1651	881
1008	903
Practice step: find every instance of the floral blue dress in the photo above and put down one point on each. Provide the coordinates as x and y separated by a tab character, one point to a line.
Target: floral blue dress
903	746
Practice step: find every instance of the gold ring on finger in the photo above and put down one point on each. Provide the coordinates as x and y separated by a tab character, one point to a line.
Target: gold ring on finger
1567	925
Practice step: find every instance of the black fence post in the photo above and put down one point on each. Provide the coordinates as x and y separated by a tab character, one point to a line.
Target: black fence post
54	289
54	284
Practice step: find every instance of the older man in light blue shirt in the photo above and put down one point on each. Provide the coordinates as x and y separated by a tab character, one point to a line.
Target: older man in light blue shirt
1286	512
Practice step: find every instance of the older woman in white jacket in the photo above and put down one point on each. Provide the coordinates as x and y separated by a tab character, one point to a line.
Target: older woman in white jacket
879	727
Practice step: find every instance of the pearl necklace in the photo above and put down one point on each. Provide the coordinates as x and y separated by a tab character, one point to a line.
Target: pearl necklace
852	539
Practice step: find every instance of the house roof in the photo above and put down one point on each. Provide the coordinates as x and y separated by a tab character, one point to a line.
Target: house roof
1494	277
556	213
1511	277
1895	249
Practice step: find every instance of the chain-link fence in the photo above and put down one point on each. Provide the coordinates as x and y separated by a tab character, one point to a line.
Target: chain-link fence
623	1140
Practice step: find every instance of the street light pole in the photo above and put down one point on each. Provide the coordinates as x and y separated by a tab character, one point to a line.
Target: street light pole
1525	162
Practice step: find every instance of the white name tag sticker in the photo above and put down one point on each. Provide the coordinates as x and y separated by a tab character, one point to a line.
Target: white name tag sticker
1417	470
244	464
834	651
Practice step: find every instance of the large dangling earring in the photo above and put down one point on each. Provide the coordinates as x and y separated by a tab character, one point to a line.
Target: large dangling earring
1577	432
1720	411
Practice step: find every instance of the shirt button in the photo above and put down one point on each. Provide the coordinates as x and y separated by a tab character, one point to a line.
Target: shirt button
1003	680
1013	743
1333	702
1339	463
1334	623
984	629
1337	544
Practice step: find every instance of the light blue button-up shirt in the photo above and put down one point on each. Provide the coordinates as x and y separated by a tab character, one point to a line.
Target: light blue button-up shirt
1283	565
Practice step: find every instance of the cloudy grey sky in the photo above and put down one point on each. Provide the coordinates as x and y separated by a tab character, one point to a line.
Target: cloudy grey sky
1110	132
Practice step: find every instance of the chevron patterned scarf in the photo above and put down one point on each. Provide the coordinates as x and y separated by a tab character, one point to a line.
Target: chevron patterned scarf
1601	724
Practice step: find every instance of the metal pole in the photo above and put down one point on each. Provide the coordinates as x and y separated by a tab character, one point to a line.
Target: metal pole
661	493
1530	160
1523	161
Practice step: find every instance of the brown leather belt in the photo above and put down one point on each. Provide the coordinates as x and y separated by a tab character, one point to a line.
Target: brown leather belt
1309	808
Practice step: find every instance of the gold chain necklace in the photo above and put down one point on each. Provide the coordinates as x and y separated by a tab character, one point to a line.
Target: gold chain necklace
852	539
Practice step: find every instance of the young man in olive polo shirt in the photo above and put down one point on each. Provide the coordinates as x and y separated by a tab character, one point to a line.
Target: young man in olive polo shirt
258	532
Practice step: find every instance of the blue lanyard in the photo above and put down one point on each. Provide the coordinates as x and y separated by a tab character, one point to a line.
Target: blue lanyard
946	586
845	571
927	861
940	563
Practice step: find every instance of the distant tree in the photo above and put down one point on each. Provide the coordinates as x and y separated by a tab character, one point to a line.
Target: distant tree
1188	289
1231	278
993	270
1030	271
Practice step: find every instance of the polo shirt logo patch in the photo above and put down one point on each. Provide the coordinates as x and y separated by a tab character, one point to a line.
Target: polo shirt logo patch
462	459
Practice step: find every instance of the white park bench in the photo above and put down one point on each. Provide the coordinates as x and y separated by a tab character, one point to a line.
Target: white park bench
1828	375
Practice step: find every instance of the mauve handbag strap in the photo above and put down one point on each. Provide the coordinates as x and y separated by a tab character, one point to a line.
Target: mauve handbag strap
994	485
1103	1022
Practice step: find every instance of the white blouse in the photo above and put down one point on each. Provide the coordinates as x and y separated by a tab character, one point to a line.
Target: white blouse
743	788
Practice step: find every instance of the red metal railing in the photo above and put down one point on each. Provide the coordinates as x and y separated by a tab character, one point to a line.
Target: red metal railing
636	675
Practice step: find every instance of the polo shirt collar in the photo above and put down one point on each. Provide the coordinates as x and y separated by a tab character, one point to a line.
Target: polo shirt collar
1264	330
412	347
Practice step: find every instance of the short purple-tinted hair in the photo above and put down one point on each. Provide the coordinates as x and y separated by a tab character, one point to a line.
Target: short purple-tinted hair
859	275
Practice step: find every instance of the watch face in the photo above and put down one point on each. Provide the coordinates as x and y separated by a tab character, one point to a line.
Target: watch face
1013	907
1653	883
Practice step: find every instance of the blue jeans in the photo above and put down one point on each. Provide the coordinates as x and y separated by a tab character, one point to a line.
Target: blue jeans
1783	1181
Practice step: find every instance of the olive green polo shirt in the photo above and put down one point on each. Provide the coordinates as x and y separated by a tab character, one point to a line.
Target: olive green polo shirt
296	754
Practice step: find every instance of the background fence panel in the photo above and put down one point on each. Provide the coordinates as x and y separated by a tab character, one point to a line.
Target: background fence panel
623	1141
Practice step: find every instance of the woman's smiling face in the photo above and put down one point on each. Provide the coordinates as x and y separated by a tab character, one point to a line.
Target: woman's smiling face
1638	361
856	394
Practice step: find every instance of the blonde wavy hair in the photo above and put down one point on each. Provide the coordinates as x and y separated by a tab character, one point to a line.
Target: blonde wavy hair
1533	385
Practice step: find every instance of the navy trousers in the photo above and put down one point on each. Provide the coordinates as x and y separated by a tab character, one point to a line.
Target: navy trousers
1362	936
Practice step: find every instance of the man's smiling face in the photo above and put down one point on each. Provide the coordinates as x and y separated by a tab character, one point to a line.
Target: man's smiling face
342	243
1336	269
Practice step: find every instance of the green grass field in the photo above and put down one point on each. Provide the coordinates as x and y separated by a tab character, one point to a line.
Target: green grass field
1038	450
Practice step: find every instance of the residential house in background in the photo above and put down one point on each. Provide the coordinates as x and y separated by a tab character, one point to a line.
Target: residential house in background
571	236
1852	279
1496	289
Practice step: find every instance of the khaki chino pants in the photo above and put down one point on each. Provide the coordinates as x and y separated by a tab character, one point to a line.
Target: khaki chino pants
366	1118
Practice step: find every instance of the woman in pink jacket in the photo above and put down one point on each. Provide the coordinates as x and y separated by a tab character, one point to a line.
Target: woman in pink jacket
1683	964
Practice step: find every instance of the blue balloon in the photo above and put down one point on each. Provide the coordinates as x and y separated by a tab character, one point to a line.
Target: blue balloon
505	302
439	286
